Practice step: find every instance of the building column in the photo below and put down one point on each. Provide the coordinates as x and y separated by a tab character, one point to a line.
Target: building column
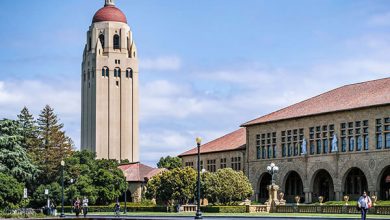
308	195
338	196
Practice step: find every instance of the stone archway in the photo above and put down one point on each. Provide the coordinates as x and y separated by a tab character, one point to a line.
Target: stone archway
355	182
322	185
264	181
384	181
293	187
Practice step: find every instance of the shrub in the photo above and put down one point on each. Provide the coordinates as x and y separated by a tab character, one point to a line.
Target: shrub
224	209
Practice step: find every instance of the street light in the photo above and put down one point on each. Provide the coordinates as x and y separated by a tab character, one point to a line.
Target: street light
125	211
272	169
198	212
62	197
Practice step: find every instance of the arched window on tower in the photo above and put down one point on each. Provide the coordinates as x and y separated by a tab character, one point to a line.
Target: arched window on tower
117	72
105	72
101	38
117	42
129	73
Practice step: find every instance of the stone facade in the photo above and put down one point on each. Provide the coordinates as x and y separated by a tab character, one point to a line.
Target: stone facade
330	174
208	159
109	119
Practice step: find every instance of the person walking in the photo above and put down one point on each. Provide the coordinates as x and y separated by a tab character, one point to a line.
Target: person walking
76	207
364	203
117	209
85	206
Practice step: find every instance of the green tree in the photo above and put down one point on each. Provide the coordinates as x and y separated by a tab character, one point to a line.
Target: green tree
227	186
169	162
177	184
29	129
39	198
14	160
11	191
54	144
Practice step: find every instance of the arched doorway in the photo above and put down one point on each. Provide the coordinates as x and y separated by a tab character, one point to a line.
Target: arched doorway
385	184
293	187
265	180
355	183
323	186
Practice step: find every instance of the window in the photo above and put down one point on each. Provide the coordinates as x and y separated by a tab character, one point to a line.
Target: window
101	38
312	148
289	149
343	144
258	151
379	141
292	141
89	43
189	164
117	42
295	149
351	143
236	163
117	72
365	142
319	148
357	136
129	73
201	165
105	72
283	150
84	77
211	165
274	151
269	152
326	146
359	143
263	153
223	163
387	140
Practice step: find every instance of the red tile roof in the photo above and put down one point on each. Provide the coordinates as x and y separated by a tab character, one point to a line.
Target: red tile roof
359	95
232	141
109	13
138	172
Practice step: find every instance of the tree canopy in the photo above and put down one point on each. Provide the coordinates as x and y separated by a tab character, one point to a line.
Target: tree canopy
169	162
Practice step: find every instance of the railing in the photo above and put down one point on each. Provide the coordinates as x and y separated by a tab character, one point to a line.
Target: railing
257	208
329	209
188	208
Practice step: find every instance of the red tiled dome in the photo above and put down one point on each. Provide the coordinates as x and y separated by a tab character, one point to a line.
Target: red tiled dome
109	13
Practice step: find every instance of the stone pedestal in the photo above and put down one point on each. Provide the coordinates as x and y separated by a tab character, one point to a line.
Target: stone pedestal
273	200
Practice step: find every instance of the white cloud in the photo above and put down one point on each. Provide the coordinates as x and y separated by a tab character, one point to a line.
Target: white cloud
161	63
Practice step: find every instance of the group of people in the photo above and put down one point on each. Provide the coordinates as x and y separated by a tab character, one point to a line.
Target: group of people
81	207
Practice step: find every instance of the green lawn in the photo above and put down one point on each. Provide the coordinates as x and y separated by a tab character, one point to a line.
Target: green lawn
327	216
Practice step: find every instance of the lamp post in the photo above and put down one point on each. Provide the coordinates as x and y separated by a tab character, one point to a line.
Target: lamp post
62	193
198	212
125	211
272	169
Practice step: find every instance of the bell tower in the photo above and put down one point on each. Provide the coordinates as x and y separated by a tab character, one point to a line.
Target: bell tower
109	87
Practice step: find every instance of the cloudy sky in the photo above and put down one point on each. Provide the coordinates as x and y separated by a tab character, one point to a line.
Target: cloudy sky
206	66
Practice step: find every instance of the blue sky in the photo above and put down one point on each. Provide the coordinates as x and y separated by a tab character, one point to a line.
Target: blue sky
205	66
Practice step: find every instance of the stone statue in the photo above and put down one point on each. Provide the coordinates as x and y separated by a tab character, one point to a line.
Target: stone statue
303	147
334	144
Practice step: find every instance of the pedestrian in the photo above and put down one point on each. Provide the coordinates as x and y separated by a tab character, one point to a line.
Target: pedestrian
85	206
76	207
364	203
117	209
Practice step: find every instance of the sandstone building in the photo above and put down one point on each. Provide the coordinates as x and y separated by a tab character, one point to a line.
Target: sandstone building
226	151
334	144
109	119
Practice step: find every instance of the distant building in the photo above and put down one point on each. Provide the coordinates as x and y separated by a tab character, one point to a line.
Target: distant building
109	118
331	145
226	151
137	175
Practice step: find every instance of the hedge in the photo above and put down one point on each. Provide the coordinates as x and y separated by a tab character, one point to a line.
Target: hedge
223	209
129	209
